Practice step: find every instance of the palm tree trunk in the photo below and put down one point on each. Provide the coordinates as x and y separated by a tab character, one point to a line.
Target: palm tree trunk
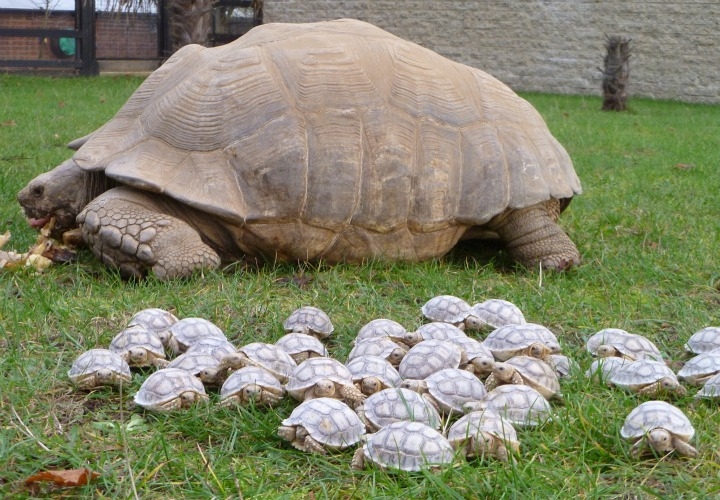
616	73
190	22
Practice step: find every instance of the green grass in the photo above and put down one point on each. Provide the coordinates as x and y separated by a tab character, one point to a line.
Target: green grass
646	225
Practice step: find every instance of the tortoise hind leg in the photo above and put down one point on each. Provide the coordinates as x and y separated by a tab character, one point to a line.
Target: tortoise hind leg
533	237
127	230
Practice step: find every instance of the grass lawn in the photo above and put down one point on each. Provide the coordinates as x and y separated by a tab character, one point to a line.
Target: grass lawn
647	226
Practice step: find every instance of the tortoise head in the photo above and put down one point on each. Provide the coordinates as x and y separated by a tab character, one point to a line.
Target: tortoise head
660	440
105	376
251	392
371	385
60	193
503	372
414	385
482	443
482	366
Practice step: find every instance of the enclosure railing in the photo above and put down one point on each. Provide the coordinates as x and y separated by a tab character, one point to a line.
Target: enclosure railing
84	34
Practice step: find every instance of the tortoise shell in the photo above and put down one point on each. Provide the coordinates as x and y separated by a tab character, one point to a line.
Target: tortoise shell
379	346
522	405
99	367
170	389
381	327
251	384
646	376
498	312
328	421
263	355
409	446
606	336
603	368
308	373
452	388
139	347
310	321
446	309
373	373
217	347
301	346
436	330
334	144
711	388
154	319
534	372
704	340
396	404
700	368
428	357
651	414
513	339
469	430
201	364
184	333
659	426
617	342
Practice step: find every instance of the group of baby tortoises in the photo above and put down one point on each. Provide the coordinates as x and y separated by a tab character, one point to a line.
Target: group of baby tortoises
400	391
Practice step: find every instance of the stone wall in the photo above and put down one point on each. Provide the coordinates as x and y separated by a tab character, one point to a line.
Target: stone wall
550	45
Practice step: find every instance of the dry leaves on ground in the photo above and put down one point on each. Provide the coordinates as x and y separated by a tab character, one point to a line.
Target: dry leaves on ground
63	478
44	252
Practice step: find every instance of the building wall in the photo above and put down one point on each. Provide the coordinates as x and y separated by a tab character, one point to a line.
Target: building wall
550	45
29	47
541	45
118	36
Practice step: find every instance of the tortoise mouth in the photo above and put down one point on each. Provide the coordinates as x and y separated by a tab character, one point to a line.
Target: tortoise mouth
38	223
59	222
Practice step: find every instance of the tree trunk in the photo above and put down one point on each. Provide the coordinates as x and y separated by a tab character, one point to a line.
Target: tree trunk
190	22
616	73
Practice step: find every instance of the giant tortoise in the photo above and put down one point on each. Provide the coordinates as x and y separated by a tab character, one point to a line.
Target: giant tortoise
332	141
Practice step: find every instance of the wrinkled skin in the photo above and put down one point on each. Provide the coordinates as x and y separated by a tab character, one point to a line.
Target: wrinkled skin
165	241
61	193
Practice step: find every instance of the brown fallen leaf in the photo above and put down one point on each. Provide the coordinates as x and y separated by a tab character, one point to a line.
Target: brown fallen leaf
60	254
64	478
684	166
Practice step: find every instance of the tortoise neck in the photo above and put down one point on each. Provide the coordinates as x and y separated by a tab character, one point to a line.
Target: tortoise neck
96	183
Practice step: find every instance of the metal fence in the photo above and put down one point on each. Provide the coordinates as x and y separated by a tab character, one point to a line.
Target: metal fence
84	35
230	19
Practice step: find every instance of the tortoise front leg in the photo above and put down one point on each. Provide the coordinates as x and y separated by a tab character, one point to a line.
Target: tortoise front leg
533	237
126	231
683	448
304	442
637	449
501	452
491	382
358	459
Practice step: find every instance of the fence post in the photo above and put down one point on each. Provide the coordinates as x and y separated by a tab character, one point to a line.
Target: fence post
85	22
